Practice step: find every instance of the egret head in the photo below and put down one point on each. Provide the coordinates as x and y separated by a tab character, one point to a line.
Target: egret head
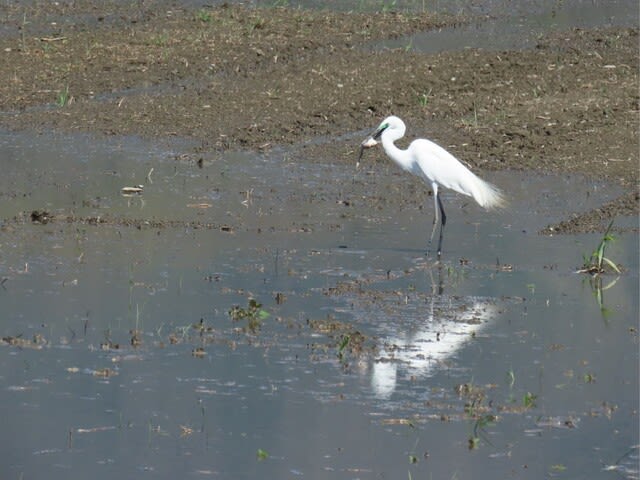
392	124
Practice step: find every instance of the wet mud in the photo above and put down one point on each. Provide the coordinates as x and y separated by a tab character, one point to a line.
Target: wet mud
235	78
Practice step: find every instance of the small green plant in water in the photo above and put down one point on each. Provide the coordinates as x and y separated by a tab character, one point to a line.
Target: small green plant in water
596	263
262	455
63	97
511	378
343	344
529	400
409	46
479	431
254	314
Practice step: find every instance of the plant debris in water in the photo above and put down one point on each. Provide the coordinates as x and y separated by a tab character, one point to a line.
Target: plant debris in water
597	263
254	314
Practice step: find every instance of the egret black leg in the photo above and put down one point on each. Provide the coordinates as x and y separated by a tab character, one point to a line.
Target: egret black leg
433	232
435	220
443	221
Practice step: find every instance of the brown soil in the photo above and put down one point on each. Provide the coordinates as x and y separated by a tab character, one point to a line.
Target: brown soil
236	78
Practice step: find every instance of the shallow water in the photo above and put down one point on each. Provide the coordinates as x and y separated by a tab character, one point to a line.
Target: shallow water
314	244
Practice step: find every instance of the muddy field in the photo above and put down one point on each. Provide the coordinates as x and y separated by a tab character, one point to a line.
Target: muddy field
253	79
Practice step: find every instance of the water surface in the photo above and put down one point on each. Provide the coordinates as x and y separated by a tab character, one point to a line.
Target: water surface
508	346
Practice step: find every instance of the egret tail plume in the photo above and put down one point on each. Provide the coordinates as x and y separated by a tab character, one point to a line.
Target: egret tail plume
488	196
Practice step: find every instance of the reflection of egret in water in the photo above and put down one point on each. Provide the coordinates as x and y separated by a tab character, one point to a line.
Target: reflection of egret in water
447	327
421	333
416	334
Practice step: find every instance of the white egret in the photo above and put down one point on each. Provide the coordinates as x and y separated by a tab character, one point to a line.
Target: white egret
435	166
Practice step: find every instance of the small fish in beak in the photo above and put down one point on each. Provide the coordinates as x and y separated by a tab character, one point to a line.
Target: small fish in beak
368	143
372	140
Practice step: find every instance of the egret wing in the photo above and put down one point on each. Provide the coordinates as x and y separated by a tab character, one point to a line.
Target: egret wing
436	164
